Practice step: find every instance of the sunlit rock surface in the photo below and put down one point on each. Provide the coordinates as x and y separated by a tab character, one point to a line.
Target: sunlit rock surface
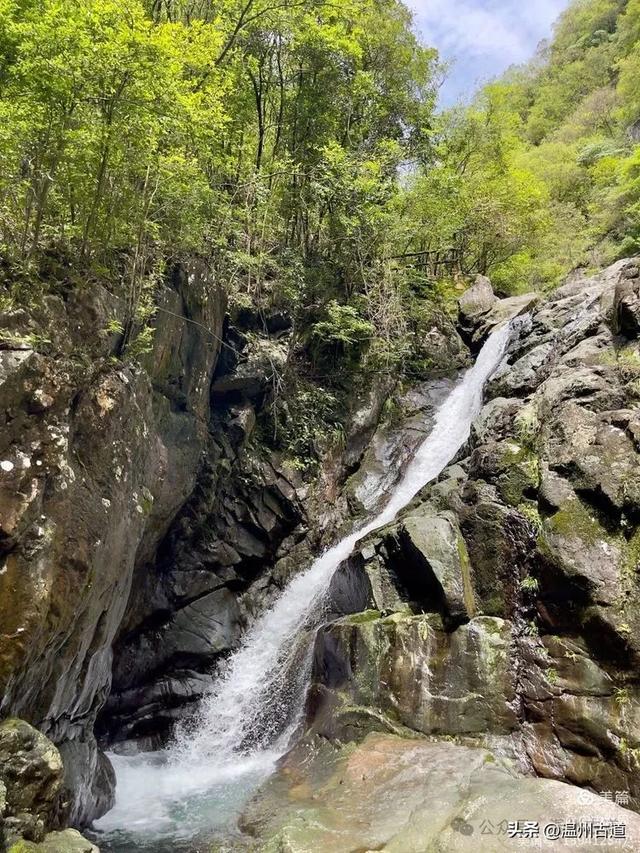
405	796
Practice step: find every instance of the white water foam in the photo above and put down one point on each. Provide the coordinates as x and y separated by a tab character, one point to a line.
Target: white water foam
239	734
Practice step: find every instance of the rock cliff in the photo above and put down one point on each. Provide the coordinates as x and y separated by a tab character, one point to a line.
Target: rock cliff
503	604
96	458
143	524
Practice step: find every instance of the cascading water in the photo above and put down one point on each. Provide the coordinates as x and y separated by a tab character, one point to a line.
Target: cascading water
245	724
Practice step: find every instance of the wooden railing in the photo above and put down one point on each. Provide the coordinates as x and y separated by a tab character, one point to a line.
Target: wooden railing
434	263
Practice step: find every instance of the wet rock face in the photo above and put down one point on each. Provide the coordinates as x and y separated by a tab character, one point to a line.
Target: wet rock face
380	451
188	607
96	459
417	674
546	507
250	525
247	529
580	724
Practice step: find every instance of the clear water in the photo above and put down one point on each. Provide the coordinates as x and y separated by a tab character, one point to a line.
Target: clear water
197	787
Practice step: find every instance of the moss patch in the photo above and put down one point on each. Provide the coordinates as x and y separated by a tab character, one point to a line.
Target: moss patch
363	617
531	513
465	571
521	468
575	521
527	425
631	563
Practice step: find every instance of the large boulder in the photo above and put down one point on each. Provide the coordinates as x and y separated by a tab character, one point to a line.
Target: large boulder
409	670
480	311
477	300
32	780
438	348
503	311
434	547
392	794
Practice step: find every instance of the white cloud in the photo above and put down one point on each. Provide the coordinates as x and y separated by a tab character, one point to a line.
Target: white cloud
463	28
483	37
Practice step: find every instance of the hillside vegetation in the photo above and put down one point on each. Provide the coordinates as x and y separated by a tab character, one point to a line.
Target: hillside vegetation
264	136
542	172
295	146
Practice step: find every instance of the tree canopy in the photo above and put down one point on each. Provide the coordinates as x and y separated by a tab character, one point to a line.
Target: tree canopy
297	147
540	173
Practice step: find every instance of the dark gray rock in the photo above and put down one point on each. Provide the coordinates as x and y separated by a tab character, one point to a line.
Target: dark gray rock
434	545
633	131
96	460
627	304
187	608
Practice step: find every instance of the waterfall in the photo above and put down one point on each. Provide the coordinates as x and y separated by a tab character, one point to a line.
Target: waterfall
245	723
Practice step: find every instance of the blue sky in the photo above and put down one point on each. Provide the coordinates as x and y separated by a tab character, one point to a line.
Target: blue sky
483	37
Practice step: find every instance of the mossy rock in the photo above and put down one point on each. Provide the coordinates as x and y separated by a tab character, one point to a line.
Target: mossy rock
521	473
66	841
361	618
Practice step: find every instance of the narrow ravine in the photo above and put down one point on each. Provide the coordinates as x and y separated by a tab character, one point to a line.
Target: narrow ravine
198	786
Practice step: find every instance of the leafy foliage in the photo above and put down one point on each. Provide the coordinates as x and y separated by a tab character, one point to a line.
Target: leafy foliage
264	135
540	174
295	144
